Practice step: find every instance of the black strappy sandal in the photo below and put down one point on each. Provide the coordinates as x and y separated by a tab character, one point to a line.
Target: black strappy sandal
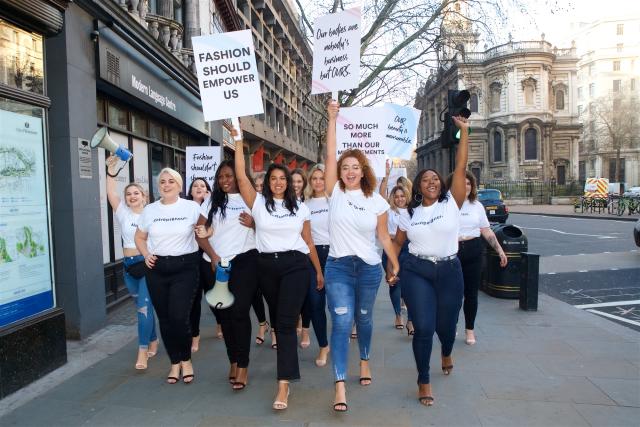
340	406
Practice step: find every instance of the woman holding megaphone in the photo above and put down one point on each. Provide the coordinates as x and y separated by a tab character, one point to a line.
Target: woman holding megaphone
166	238
283	238
127	215
233	239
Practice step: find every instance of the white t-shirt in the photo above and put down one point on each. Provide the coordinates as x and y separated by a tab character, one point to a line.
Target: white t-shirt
128	221
319	208
230	237
170	227
393	219
433	230
279	231
473	217
353	219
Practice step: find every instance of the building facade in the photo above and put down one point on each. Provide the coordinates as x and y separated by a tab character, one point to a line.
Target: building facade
285	132
524	113
608	70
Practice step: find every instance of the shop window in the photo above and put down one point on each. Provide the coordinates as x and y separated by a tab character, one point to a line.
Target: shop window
161	157
139	124
117	116
22	64
155	130
101	110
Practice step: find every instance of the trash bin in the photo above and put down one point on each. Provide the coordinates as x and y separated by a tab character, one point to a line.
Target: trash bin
505	282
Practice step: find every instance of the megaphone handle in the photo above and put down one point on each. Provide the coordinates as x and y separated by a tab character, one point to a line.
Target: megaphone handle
119	170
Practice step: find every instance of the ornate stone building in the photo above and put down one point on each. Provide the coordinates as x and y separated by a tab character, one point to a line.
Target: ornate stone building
524	112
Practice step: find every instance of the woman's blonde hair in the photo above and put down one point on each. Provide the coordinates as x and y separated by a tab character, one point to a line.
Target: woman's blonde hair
391	198
140	188
174	174
308	192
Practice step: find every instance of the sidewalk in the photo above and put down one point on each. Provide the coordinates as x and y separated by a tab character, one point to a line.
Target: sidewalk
559	366
566	210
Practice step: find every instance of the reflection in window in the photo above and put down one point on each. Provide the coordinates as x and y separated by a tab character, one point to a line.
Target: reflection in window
21	64
531	144
117	116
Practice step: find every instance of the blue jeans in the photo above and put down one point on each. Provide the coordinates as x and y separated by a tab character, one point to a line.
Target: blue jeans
394	291
433	294
139	291
351	286
314	308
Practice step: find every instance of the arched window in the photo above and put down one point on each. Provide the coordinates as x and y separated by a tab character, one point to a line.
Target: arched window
531	144
559	100
497	146
474	102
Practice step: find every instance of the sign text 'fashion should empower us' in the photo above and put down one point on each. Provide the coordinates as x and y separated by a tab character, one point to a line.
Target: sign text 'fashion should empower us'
227	75
336	51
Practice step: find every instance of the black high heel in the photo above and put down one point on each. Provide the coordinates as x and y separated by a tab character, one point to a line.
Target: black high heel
340	406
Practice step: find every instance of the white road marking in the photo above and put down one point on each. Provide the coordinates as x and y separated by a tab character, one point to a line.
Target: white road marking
611	316
551	273
614	269
608	304
598	236
583	271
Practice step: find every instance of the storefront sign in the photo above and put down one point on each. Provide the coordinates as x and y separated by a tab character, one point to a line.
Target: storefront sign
336	51
124	67
227	75
363	128
401	132
202	162
25	258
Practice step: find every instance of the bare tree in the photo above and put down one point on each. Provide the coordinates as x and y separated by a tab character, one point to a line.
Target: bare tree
616	123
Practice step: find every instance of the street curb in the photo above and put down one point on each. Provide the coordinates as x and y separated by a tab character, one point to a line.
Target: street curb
608	218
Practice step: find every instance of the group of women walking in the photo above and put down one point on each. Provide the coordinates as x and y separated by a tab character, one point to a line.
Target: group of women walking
306	243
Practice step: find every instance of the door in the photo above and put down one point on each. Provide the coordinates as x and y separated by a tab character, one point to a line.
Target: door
561	175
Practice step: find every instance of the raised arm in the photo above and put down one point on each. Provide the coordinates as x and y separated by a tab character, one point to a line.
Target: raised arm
331	162
458	183
112	189
384	184
247	191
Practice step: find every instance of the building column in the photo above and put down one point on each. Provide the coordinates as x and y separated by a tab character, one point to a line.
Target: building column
191	28
512	149
75	201
165	8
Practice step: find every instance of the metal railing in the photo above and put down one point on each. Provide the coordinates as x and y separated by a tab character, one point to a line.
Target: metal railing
540	191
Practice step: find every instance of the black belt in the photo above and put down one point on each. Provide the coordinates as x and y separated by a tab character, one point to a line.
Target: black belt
276	255
184	257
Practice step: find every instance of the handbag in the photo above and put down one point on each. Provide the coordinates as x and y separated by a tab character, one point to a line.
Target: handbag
137	270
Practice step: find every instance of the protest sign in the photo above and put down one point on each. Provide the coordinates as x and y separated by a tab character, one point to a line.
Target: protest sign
363	128
227	75
401	131
336	52
394	174
202	162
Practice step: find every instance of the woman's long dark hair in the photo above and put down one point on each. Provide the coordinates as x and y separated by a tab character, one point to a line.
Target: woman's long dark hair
219	198
206	184
416	195
290	200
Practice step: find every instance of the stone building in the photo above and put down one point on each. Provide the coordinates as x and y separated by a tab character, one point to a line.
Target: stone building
524	112
608	70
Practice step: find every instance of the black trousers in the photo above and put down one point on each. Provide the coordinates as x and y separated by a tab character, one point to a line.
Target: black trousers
258	306
235	320
204	285
284	282
173	283
470	256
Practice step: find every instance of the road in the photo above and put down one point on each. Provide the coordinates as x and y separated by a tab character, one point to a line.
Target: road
589	263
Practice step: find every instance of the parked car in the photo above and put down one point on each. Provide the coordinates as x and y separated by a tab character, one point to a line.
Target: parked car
493	204
632	192
636	233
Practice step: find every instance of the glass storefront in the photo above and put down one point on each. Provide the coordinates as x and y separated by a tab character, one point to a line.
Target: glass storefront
21	58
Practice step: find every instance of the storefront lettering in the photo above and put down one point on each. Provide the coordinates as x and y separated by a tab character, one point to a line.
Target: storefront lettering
157	97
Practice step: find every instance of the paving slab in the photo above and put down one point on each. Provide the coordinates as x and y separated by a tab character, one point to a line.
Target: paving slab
549	368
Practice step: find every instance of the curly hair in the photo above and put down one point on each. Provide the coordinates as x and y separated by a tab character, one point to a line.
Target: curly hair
416	194
368	181
473	195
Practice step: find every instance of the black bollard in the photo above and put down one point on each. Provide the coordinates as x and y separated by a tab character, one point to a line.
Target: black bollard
529	273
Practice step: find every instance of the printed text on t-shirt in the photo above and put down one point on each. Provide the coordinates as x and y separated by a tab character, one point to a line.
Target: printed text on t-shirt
435	218
170	219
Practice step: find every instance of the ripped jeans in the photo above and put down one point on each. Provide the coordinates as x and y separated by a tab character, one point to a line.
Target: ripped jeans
351	286
139	291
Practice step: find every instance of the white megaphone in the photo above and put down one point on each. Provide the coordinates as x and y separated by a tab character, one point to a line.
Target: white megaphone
219	297
102	139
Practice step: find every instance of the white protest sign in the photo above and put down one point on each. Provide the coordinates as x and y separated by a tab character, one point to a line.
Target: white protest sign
202	162
401	131
363	128
394	174
336	51
227	75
